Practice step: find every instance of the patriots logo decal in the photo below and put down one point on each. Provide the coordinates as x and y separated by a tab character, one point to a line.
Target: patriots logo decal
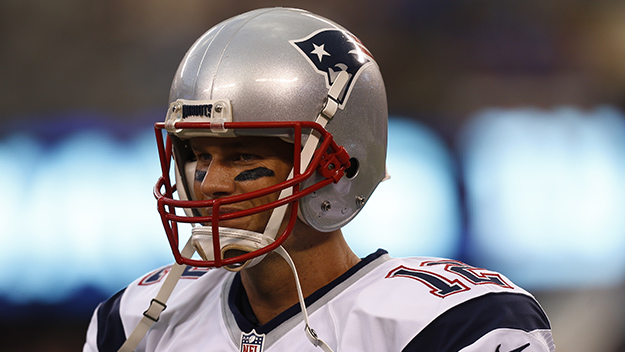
331	51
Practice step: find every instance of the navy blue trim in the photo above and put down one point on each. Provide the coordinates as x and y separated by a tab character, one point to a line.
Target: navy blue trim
244	315
111	334
240	306
466	323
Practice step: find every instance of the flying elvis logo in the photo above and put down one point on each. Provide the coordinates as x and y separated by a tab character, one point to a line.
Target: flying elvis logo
331	51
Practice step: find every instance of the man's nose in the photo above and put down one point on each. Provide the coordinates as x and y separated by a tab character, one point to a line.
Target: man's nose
218	181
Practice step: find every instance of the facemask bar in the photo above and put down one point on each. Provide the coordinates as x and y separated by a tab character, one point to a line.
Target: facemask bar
329	159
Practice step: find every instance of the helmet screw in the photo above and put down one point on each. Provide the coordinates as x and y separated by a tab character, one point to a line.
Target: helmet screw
360	201
325	206
218	108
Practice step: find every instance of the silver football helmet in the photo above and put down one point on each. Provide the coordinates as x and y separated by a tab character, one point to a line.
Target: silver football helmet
284	73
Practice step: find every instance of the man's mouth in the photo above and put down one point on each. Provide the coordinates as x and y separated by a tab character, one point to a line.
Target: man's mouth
223	211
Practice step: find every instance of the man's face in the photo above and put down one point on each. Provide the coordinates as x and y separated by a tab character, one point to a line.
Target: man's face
233	166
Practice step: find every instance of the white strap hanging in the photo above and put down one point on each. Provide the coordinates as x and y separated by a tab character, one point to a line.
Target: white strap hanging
310	332
158	303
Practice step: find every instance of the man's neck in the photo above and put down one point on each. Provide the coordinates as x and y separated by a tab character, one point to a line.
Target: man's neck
270	285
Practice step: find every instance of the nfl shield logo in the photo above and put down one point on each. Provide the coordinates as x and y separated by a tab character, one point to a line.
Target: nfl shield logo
252	342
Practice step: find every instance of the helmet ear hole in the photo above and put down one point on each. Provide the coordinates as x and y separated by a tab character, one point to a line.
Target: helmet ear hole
353	169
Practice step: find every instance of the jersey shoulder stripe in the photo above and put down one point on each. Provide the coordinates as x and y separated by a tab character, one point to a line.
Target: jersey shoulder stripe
110	328
464	324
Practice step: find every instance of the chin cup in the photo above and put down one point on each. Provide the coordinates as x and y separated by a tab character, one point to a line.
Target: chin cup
230	240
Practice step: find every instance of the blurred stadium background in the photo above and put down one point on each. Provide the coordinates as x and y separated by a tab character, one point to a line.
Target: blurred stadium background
507	149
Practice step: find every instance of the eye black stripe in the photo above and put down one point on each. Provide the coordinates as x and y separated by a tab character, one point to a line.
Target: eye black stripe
254	174
199	175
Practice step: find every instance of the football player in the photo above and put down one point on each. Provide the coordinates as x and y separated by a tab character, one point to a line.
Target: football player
275	138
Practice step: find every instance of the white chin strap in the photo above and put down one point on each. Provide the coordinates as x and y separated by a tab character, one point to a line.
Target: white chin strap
229	239
310	332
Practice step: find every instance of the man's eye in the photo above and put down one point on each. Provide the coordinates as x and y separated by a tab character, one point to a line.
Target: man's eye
203	157
246	157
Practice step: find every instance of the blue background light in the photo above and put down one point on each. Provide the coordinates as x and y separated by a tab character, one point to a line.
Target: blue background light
81	214
544	189
546	194
417	210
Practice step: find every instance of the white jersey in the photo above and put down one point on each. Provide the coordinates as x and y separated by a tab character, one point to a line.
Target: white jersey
381	304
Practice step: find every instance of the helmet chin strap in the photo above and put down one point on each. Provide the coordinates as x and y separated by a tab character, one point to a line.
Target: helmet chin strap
310	332
229	239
